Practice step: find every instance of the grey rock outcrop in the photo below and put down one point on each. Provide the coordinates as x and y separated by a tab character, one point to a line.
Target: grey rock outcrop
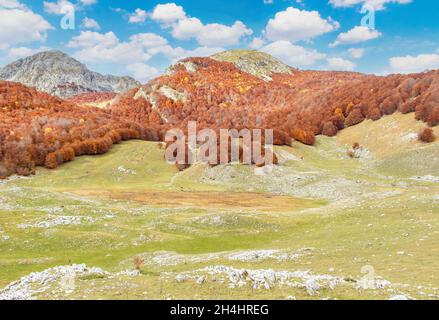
259	64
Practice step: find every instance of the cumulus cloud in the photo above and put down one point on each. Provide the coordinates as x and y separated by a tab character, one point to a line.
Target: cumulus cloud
100	48
197	52
19	24
59	8
148	40
356	35
213	34
375	4
340	64
183	27
294	25
168	13
257	43
138	16
88	2
141	71
21	52
87	39
89	23
293	55
412	64
11	4
356	53
131	55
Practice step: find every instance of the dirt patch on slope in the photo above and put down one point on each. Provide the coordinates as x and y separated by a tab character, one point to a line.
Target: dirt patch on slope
205	200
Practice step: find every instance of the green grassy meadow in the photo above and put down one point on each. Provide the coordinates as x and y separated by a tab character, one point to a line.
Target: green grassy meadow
318	226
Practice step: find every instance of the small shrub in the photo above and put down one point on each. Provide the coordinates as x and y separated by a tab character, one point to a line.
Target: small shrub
306	137
426	135
355	117
329	129
51	161
138	263
375	114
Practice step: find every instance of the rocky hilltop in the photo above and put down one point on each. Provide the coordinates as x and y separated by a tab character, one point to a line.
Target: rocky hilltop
58	74
259	64
251	89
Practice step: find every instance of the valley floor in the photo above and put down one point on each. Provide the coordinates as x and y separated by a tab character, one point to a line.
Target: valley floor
321	225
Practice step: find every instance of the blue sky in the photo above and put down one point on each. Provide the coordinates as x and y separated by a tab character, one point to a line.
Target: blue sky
142	37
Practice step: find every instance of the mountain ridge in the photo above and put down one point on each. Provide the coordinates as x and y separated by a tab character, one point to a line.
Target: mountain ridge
58	74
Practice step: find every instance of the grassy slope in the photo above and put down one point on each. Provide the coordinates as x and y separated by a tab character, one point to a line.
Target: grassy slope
353	212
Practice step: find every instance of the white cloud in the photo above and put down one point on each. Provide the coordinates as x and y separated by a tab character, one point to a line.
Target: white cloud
213	34
121	53
131	55
356	53
21	52
88	2
375	4
293	55
97	47
141	71
185	28
87	39
412	64
340	64
60	7
89	23
356	35
138	16
168	13
198	52
11	4
256	43
148	40
18	24
294	25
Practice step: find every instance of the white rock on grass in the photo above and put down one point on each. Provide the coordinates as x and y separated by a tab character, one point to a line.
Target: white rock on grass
123	170
37	282
257	255
312	287
3	235
201	280
267	278
180	278
401	297
54	221
410	137
427	178
166	258
374	283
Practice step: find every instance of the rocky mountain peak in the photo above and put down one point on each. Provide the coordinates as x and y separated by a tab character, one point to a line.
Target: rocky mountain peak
57	73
